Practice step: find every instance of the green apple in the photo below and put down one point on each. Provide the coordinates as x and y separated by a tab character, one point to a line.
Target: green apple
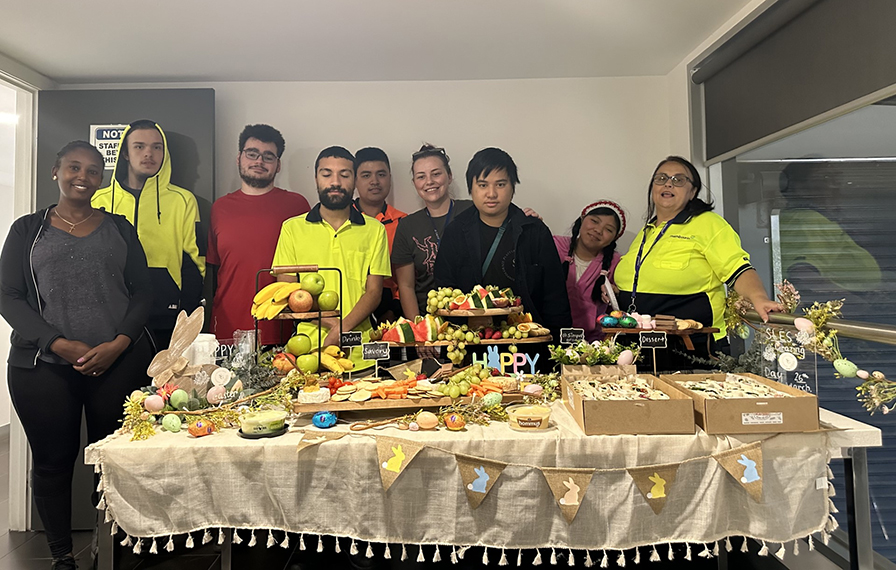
298	345
307	363
313	283
328	300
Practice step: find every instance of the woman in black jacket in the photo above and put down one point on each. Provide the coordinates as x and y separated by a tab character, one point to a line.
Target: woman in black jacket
496	244
74	287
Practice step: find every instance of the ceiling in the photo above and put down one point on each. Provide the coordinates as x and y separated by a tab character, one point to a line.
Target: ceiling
98	41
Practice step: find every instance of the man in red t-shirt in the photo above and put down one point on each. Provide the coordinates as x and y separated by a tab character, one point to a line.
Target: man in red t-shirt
373	181
245	226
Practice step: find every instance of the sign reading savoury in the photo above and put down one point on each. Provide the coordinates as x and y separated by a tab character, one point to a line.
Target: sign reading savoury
375	351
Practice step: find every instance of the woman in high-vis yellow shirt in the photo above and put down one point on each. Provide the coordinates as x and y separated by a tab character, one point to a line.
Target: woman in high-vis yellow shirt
684	256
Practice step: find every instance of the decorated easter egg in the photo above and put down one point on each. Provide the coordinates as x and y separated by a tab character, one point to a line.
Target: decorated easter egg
803	324
454	422
628	322
862	374
617	314
201	428
491	399
846	368
427	420
172	423
533	390
609	321
137	394
625	358
324	420
215	395
179	399
414	426
154	403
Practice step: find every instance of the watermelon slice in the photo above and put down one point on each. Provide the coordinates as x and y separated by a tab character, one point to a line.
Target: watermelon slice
427	330
481	291
391	335
477	302
405	332
466	304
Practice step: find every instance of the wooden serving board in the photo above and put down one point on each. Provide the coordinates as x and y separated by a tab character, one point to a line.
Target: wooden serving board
405	404
479	312
304	316
529	340
685	334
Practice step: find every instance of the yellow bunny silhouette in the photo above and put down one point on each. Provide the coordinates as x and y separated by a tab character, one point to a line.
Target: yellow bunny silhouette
572	496
658	491
394	463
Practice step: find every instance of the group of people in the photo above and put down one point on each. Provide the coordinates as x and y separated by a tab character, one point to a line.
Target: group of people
91	285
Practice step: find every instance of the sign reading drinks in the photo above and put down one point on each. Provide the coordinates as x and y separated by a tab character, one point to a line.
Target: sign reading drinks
106	138
351	338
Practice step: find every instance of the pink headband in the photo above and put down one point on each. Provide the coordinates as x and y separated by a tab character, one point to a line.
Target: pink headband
611	205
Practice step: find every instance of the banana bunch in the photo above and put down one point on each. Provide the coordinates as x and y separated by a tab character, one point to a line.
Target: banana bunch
333	359
272	299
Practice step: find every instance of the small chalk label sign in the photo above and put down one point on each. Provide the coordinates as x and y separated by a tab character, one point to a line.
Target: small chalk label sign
572	336
375	351
351	338
652	339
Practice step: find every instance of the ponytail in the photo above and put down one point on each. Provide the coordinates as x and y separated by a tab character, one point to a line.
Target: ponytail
576	227
605	265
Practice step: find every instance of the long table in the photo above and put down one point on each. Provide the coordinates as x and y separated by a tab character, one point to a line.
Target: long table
172	484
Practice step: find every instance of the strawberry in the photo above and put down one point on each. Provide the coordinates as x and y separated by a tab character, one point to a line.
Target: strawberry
497	335
421	376
488	332
517	302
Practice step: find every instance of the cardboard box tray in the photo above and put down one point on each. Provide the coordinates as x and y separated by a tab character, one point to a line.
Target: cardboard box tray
796	413
618	417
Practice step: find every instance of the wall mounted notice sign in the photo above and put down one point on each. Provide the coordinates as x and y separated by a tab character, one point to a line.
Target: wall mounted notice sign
105	138
351	338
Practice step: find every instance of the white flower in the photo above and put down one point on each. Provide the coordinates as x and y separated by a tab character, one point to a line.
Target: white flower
768	352
803	337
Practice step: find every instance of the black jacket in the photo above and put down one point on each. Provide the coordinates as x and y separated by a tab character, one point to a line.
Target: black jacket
21	306
539	276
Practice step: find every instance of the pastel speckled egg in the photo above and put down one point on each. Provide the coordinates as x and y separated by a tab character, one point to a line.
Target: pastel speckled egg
625	358
533	390
172	423
491	399
215	395
427	420
803	324
454	422
154	403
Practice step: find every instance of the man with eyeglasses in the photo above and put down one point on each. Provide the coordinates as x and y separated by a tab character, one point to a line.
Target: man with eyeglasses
245	226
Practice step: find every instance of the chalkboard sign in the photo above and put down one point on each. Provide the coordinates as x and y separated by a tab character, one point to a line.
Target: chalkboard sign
351	338
572	336
375	351
653	339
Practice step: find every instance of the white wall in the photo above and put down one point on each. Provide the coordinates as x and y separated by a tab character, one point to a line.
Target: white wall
7	215
574	140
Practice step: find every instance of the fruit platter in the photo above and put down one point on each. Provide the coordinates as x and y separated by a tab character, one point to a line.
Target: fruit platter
306	299
481	301
413	391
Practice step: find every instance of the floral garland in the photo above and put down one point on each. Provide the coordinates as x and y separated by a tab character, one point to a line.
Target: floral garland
875	393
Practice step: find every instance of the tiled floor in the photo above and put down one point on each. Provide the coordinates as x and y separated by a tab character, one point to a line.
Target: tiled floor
29	551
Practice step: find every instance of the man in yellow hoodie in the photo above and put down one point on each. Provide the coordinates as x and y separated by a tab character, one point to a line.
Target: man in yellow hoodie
166	217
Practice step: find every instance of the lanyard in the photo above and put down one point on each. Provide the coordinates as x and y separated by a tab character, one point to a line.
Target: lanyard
447	221
639	260
494	248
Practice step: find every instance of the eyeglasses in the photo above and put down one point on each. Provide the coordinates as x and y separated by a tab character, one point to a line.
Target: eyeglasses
678	180
430	151
253	154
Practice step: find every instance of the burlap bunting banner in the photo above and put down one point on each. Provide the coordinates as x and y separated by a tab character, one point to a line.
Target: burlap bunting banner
394	456
568	487
745	465
654	482
479	476
310	439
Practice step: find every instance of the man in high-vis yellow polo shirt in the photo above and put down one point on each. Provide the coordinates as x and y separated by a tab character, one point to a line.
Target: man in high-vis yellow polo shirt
333	234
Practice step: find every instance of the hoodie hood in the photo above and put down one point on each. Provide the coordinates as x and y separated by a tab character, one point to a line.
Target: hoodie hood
160	179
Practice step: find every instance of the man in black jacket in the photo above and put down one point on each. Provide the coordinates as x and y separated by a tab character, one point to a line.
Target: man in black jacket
496	244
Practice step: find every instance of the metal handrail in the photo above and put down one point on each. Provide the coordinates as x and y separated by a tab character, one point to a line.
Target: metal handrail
850	329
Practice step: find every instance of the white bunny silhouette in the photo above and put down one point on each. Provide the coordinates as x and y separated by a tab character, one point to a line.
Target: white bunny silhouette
572	496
